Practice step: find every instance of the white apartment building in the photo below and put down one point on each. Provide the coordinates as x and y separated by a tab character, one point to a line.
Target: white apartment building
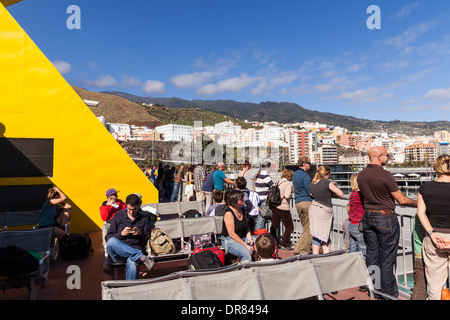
442	136
420	151
120	131
176	132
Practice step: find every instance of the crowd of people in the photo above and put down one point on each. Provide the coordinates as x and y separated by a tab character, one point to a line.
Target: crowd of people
372	225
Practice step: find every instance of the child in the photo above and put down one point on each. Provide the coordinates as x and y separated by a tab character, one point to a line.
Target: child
355	214
266	247
218	209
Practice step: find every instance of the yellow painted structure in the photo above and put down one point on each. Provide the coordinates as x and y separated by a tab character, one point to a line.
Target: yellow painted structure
37	102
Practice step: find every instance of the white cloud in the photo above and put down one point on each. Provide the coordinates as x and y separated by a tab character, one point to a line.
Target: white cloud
438	94
266	84
191	80
406	10
153	86
364	95
235	84
130	82
63	67
103	81
410	35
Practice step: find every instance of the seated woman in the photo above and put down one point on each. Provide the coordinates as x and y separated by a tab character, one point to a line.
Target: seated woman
55	212
235	230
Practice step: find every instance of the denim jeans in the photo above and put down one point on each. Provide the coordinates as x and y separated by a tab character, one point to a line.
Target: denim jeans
176	192
381	235
121	252
260	222
237	249
356	240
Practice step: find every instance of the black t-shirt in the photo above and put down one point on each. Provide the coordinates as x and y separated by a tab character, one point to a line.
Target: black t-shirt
240	226
436	196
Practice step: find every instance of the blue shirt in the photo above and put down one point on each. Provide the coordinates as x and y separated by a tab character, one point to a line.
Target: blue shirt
208	185
302	186
219	180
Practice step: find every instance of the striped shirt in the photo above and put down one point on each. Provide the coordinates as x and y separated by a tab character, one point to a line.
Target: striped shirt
262	185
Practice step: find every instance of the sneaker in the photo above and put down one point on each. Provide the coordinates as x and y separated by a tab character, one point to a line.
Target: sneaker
286	248
148	262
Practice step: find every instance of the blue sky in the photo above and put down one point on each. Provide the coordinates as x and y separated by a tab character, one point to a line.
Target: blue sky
318	54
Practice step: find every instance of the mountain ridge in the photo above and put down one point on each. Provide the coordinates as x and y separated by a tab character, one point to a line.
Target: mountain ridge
289	112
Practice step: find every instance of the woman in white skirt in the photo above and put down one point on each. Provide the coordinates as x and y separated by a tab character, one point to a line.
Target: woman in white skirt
321	209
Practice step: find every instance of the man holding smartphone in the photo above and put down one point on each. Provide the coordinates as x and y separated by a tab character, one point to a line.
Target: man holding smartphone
127	237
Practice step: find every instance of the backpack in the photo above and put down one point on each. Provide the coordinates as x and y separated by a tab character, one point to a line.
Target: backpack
76	246
16	262
191	214
274	197
205	259
160	242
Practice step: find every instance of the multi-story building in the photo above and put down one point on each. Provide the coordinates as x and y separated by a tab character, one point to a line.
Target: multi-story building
329	154
176	132
300	144
120	131
442	136
420	151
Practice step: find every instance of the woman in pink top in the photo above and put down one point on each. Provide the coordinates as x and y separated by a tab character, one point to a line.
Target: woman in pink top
355	215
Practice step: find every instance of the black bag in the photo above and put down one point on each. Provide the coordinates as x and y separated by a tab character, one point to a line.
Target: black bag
191	214
76	246
16	262
204	260
274	196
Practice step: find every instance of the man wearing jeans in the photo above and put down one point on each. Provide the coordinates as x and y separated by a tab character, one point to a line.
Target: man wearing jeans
302	193
379	190
127	237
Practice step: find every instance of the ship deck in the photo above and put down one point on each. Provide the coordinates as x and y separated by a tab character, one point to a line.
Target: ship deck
92	275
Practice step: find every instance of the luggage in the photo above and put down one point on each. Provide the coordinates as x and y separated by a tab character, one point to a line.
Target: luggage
76	246
160	242
16	262
207	258
217	251
202	240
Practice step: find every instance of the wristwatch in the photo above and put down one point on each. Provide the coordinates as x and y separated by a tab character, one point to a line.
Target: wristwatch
430	232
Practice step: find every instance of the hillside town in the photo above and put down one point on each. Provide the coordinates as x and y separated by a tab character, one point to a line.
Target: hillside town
320	142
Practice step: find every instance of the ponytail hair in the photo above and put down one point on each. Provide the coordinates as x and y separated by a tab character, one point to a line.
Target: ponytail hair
442	164
321	173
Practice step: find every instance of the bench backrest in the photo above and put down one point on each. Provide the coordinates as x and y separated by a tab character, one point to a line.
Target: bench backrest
38	240
176	208
281	279
19	218
185	227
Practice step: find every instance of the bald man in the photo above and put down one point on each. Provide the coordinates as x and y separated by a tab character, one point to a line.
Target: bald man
379	191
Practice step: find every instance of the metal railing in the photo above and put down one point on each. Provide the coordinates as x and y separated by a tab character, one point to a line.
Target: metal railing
405	254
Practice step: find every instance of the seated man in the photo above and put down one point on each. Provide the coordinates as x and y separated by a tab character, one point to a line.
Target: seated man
127	237
266	247
113	204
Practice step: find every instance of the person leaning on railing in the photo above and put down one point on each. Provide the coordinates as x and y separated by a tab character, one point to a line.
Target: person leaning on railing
433	210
